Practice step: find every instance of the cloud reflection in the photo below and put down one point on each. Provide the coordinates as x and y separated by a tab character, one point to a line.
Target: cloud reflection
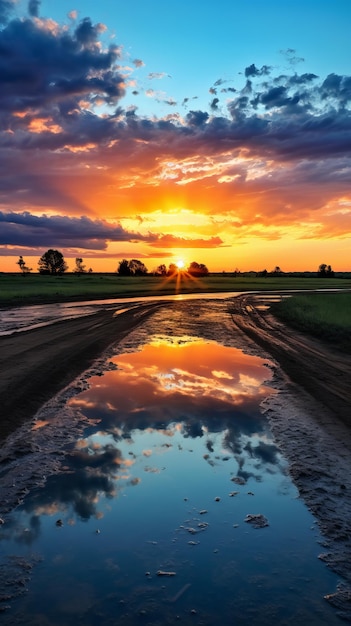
171	387
172	379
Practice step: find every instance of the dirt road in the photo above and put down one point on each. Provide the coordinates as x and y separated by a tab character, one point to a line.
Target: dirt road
36	364
325	373
310	416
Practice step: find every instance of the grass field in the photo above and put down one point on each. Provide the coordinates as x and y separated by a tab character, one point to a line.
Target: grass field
17	290
327	316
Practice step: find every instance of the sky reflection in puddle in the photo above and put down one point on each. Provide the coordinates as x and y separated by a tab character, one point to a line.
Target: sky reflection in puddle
179	455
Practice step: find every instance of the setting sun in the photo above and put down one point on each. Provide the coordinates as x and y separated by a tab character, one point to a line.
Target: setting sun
180	264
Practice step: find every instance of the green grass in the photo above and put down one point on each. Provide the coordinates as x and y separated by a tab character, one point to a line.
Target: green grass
16	290
327	316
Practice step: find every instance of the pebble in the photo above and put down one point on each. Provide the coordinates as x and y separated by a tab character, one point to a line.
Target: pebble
257	520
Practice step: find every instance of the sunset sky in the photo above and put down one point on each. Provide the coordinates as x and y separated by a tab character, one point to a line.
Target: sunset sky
216	132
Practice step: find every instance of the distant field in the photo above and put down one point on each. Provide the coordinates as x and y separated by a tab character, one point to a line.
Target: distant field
16	290
327	316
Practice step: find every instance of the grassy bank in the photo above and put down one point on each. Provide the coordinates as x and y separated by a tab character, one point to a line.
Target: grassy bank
17	290
326	316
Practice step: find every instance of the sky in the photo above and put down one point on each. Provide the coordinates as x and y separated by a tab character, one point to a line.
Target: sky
211	132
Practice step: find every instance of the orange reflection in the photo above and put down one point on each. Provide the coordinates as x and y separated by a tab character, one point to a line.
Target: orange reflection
176	377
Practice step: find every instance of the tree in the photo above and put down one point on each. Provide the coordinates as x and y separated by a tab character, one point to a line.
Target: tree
52	262
277	271
123	268
80	267
172	269
23	267
161	270
325	271
197	269
137	268
134	267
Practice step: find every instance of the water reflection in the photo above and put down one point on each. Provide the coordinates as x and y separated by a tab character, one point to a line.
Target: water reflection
170	380
176	454
173	386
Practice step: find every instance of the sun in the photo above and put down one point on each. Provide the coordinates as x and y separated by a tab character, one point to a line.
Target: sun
180	264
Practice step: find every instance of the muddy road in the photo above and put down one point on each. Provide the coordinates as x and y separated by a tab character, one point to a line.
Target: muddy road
309	416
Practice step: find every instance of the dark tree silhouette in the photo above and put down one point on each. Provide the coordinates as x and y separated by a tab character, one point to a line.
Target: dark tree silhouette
123	268
52	262
277	271
325	271
161	270
134	267
80	267
172	269
197	269
137	268
23	267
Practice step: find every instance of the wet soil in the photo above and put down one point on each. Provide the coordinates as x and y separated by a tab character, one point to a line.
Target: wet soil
36	364
310	416
311	420
311	363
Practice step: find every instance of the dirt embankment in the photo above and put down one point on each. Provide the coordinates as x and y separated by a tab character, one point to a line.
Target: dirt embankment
36	364
314	365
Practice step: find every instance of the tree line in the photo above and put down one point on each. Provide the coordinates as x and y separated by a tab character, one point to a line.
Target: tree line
52	263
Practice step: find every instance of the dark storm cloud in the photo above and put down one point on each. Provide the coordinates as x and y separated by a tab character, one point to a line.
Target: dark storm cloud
252	70
338	88
33	7
24	229
277	97
46	72
197	118
300	79
40	67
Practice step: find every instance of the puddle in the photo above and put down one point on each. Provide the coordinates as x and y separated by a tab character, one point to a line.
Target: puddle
18	319
170	502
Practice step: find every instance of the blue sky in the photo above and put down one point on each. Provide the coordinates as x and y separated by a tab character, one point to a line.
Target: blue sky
193	44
